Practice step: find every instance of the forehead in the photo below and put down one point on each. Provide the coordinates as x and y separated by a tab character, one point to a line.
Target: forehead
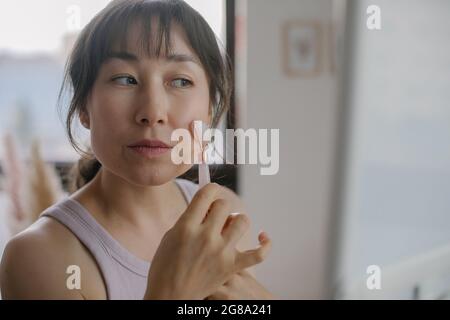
152	40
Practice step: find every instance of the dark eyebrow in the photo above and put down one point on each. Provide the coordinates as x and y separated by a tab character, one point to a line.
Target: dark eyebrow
172	57
122	55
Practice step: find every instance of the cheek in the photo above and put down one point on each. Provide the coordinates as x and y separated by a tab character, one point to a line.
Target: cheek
109	109
188	109
107	122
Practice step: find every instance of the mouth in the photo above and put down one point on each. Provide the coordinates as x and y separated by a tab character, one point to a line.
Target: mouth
150	151
150	148
154	143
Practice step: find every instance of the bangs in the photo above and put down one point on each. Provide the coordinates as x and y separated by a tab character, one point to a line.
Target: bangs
113	32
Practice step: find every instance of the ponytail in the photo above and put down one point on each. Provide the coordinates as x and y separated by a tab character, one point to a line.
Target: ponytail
82	172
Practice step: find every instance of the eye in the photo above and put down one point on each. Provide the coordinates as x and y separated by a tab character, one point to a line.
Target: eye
181	83
125	80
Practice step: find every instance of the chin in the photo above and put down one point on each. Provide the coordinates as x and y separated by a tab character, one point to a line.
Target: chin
157	175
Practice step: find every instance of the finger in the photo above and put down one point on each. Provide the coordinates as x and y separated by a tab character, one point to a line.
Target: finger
199	206
217	216
244	273
263	236
252	257
230	218
236	229
220	294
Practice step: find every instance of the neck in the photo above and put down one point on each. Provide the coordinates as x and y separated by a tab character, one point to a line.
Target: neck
118	199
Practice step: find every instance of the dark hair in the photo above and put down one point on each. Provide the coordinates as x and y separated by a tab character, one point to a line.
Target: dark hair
110	28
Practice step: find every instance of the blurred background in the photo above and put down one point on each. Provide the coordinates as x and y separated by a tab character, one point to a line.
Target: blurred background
360	92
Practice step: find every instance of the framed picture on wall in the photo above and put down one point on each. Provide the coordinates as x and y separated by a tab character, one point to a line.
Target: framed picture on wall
302	48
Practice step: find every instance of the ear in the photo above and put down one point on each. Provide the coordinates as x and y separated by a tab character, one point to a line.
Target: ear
84	119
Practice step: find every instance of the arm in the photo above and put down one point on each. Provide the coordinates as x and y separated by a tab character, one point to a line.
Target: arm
34	267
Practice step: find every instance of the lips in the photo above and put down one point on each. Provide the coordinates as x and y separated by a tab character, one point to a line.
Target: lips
150	144
150	148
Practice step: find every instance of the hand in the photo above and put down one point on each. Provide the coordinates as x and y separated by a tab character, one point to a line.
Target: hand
242	285
195	257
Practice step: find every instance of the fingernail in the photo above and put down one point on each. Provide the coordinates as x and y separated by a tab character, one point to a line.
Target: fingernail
262	235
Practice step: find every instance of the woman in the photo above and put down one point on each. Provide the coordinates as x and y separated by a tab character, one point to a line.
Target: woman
139	70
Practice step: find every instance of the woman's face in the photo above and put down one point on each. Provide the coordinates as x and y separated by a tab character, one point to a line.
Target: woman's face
136	97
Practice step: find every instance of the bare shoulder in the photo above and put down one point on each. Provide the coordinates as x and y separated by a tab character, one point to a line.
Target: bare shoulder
35	262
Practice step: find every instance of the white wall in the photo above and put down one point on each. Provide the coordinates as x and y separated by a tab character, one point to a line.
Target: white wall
294	205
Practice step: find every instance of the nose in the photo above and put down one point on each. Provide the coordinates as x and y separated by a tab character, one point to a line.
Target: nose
153	105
